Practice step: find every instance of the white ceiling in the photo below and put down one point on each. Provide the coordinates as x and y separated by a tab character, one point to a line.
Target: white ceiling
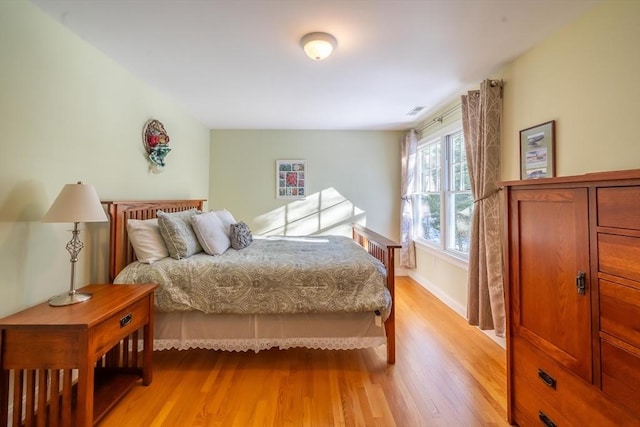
238	64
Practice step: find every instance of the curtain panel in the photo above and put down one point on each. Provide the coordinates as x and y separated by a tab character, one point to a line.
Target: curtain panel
481	116
408	146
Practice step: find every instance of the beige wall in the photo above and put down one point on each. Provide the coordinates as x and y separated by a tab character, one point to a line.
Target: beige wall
351	175
68	113
586	78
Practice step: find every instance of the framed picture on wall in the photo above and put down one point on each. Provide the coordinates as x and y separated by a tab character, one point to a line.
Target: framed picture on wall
291	179
537	151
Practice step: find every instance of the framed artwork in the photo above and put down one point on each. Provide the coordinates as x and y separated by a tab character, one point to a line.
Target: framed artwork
537	151
291	179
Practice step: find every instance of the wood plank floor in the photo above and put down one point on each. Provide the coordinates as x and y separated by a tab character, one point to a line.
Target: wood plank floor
447	373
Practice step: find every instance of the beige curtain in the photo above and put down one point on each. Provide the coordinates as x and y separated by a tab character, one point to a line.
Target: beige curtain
481	115
408	146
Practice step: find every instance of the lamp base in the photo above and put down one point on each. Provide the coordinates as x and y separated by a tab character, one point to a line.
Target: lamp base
68	299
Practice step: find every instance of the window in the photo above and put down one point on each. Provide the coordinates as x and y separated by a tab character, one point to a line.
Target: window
443	200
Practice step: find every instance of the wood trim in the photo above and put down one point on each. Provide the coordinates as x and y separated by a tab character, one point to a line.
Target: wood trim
582	180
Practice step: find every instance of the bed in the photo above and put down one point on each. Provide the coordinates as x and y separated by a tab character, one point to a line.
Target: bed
213	325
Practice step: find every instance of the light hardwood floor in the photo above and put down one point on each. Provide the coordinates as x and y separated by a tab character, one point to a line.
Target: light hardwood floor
447	373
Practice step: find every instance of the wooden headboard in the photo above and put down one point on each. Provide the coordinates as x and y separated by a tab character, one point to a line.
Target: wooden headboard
120	250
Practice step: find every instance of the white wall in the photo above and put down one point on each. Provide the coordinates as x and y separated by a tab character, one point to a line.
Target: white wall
69	113
586	78
348	172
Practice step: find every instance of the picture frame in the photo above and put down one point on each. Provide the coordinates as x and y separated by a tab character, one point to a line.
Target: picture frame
537	151
291	179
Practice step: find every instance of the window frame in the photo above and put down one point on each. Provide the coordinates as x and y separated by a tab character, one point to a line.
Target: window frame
441	136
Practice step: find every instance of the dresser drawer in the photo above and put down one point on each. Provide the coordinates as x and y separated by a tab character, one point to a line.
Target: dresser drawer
619	255
621	375
568	397
124	323
619	207
620	311
533	410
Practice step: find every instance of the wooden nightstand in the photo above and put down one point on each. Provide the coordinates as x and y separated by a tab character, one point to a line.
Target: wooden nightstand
42	345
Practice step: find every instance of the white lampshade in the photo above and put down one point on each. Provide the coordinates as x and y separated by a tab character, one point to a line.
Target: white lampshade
76	203
318	46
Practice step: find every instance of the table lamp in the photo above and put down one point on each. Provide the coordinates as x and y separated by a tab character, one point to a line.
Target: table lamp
75	203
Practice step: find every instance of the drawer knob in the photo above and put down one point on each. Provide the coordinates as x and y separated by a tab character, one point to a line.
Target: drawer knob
126	320
547	379
546	420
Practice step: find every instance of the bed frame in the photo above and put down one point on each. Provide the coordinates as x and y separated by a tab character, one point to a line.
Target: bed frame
122	253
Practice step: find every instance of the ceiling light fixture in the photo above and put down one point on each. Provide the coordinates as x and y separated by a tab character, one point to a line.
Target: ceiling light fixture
318	46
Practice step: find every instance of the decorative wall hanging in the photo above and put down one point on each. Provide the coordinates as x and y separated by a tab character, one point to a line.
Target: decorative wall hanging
156	143
291	182
537	151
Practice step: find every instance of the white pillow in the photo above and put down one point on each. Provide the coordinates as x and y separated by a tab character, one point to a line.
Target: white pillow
227	219
146	240
211	233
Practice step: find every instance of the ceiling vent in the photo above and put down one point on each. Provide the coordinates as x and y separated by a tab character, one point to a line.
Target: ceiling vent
415	111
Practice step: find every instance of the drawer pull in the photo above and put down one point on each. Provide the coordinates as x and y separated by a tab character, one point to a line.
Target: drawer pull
547	379
546	420
126	320
581	283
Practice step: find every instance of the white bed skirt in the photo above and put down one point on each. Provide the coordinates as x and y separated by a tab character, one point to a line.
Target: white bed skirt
231	332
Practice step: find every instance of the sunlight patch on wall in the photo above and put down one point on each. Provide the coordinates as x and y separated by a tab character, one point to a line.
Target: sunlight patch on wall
325	212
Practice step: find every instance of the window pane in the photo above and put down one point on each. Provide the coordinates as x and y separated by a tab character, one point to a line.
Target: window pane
458	173
429	216
443	202
460	210
430	169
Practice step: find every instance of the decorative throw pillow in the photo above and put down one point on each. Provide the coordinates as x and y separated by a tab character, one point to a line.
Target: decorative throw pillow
177	233
227	219
144	236
210	233
241	236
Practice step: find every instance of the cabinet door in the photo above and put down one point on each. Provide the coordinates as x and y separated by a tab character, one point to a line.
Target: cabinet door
548	251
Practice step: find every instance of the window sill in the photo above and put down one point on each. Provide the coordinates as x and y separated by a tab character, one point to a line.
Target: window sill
446	256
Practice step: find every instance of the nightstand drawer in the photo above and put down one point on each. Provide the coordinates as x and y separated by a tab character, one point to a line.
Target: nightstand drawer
125	322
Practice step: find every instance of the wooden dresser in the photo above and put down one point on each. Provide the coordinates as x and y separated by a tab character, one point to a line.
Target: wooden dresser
572	284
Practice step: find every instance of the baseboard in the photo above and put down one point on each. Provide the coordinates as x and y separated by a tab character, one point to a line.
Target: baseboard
452	304
442	296
501	341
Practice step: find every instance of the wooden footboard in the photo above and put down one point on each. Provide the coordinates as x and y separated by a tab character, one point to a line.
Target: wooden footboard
122	254
382	249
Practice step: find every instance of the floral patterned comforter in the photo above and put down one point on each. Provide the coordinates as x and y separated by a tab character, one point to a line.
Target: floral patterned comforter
272	275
